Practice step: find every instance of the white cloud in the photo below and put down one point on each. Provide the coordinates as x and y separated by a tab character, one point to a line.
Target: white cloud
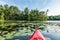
54	7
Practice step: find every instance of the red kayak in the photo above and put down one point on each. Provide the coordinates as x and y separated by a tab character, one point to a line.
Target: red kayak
37	36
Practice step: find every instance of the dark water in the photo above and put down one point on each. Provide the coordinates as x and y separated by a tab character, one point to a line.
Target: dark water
52	36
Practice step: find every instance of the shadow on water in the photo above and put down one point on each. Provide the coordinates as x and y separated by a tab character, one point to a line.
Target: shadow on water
52	36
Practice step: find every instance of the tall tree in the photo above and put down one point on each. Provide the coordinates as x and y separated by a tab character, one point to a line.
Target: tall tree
34	14
26	13
6	12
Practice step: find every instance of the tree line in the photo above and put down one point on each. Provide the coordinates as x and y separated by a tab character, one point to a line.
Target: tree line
14	13
57	17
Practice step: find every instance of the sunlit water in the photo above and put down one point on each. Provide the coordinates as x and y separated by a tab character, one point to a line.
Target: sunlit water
53	30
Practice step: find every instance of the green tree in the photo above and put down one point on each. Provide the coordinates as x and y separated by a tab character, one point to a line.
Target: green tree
26	13
35	15
43	16
6	12
2	18
14	12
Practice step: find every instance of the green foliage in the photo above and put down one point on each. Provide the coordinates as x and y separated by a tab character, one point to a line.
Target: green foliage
54	17
26	14
2	18
13	13
1	38
35	15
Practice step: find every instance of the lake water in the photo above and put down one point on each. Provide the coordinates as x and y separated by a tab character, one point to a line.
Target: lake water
53	26
52	29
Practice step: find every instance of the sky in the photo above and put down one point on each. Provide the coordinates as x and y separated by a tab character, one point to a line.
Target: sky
52	5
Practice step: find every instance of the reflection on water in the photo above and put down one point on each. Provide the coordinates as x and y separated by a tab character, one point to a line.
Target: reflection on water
53	26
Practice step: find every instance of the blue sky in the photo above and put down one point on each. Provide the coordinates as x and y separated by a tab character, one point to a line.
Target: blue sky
52	5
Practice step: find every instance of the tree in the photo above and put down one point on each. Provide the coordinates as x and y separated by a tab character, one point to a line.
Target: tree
43	16
6	12
13	12
2	18
26	14
21	16
35	15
